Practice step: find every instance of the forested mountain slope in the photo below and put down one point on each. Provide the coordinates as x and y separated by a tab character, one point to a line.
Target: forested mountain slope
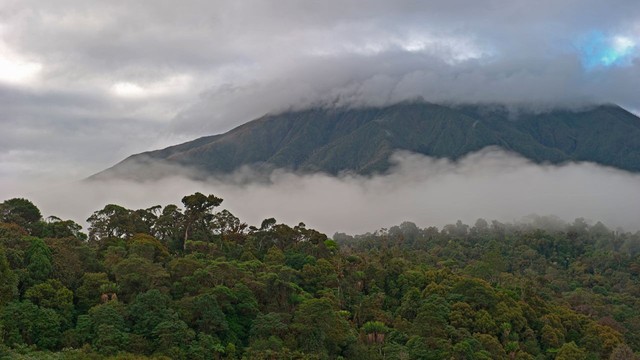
133	288
362	140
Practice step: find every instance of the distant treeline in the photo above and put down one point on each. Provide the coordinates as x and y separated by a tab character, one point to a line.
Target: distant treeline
193	282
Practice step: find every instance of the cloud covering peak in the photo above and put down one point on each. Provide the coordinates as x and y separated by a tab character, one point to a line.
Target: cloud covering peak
84	84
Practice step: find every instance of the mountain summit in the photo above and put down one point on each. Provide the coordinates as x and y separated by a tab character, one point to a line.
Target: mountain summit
362	140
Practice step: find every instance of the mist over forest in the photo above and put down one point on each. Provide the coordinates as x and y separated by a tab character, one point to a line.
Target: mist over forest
490	184
193	281
444	179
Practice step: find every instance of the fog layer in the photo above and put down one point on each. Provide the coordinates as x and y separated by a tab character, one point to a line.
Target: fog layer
490	184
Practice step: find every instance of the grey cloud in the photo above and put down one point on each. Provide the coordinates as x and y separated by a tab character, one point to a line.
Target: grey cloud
490	184
364	81
248	58
66	134
203	35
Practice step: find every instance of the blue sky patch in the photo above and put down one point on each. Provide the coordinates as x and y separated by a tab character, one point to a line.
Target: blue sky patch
598	50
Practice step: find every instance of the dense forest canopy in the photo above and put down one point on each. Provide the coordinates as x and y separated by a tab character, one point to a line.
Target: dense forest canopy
195	282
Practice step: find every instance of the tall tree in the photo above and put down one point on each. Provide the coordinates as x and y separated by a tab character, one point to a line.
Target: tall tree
39	266
113	221
198	207
20	211
167	227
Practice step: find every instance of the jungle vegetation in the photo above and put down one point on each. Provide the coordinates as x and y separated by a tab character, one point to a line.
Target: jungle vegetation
195	282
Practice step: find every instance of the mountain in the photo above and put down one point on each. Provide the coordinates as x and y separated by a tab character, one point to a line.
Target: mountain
361	140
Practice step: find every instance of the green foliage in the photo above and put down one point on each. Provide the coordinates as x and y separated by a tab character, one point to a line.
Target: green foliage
203	313
52	295
28	324
21	212
320	330
170	335
113	221
623	352
148	310
205	347
88	293
148	247
570	351
197	213
8	280
109	334
265	326
136	275
57	228
492	291
38	261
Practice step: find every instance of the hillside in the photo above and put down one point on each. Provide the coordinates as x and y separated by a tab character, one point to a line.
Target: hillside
362	140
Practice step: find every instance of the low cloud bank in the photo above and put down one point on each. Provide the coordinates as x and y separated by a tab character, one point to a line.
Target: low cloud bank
490	184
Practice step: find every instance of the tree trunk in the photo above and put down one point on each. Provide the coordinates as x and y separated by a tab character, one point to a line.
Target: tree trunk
186	235
371	338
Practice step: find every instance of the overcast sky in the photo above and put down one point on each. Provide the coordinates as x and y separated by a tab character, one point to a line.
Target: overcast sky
84	84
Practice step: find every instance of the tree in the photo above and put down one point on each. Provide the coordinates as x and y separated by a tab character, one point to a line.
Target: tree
226	223
15	242
172	336
477	293
320	330
204	314
88	294
167	227
484	323
267	325
570	351
54	227
198	208
112	222
274	257
110	340
601	339
70	259
28	324
375	331
428	348
623	352
109	333
240	308
318	276
20	211
8	280
491	345
39	265
184	278
136	275
462	315
431	320
51	294
205	347
148	247
148	310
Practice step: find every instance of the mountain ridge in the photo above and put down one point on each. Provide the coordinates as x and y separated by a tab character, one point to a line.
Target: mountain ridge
361	140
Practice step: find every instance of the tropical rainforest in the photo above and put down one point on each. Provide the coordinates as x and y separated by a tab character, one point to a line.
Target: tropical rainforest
195	282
